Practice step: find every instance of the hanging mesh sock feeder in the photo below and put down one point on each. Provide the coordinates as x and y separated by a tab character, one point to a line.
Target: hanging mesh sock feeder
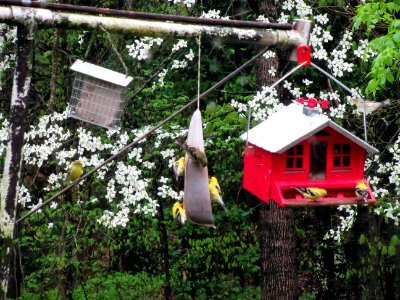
197	202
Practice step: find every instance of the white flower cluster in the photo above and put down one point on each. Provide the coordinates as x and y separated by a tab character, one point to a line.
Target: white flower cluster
140	48
44	139
167	192
263	104
176	64
128	190
338	112
272	70
179	45
390	210
392	170
363	51
283	18
213	14
318	38
302	9
262	18
337	63
269	54
295	91
3	134
240	107
8	35
80	38
188	3
24	197
172	133
346	222
161	76
322	19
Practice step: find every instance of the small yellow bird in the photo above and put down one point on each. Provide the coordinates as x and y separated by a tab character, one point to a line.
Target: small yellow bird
215	192
312	192
178	213
75	170
179	168
195	154
362	191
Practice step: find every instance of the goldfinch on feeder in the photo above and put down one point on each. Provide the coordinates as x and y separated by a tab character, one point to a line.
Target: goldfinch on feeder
215	192
361	191
179	168
75	170
312	192
195	154
178	213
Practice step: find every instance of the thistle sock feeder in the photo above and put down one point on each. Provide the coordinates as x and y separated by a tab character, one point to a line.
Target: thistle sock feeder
197	202
98	94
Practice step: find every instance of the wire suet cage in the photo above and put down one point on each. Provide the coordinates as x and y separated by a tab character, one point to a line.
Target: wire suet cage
98	94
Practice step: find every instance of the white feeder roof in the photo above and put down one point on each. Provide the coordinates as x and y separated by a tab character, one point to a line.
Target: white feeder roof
101	73
290	126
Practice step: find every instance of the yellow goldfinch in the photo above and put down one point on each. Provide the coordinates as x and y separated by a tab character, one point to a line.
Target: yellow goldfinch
195	154
179	168
312	193
361	191
75	170
179	213
215	192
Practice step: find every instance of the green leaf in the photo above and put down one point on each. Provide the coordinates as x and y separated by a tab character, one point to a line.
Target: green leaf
396	37
391	250
389	77
362	239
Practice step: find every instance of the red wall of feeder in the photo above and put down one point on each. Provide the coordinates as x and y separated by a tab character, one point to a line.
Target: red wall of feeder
257	167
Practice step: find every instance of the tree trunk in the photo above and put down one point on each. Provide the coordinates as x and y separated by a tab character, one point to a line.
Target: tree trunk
12	162
277	238
278	253
54	63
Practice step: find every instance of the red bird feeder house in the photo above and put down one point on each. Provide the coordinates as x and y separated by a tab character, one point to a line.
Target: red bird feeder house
300	148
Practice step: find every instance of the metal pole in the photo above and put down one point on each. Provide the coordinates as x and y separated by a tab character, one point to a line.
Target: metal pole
152	130
45	18
146	16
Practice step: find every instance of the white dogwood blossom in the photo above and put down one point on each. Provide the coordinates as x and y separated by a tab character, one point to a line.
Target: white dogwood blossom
140	49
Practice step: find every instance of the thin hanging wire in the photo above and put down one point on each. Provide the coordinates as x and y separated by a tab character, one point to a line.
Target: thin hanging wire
351	92
198	72
114	47
270	88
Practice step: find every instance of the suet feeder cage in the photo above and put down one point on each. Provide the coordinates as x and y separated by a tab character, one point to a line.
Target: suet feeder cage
98	94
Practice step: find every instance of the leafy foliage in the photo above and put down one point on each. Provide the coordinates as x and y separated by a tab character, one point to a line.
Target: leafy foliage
379	18
65	251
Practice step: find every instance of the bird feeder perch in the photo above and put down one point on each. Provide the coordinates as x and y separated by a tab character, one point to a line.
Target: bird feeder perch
98	94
